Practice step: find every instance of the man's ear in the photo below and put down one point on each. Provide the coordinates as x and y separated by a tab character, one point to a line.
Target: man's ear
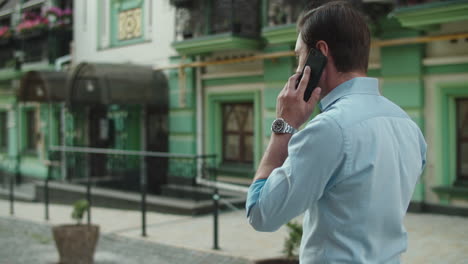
323	47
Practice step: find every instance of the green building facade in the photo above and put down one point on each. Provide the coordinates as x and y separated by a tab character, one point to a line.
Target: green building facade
419	54
24	48
221	102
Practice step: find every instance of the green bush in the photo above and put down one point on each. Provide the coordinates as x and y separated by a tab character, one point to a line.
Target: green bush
79	209
292	244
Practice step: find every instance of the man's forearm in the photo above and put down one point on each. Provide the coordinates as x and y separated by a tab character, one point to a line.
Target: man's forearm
275	155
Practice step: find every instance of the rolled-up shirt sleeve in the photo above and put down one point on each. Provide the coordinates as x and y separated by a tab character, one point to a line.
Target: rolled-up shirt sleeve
314	155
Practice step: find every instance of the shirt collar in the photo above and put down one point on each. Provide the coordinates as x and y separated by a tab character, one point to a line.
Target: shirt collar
358	85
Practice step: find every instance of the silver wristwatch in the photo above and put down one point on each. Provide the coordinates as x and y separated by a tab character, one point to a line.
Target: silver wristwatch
280	126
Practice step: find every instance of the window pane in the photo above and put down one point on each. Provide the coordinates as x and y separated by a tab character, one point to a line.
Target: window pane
249	121
231	147
464	159
232	124
248	155
462	118
3	130
238	130
462	139
32	129
241	115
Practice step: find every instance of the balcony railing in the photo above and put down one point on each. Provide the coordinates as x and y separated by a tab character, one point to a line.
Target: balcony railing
123	169
6	54
282	12
239	17
406	3
45	45
34	47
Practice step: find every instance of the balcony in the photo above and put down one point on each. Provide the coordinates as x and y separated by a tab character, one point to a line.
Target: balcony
424	14
407	3
6	54
282	16
280	26
34	47
44	46
219	25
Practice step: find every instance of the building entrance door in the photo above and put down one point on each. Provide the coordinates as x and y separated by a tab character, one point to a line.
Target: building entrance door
156	140
101	135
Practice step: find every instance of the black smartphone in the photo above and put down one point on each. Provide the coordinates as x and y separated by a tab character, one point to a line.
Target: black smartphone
316	61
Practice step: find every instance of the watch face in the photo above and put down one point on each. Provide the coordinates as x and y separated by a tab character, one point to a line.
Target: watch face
278	125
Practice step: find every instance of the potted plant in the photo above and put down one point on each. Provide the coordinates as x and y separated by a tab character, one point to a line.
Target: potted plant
76	243
291	247
32	25
59	19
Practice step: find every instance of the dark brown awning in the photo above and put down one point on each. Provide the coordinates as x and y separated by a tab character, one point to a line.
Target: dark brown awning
42	86
94	83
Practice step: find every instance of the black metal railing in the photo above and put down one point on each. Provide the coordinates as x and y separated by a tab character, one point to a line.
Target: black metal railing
195	19
282	12
44	45
123	169
118	163
34	47
406	3
6	54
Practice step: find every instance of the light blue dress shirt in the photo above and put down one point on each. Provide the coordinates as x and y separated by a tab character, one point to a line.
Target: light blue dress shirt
352	170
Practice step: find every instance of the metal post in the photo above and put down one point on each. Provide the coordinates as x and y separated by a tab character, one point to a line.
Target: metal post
215	218
143	205
49	165
12	194
46	197
88	188
143	176
63	154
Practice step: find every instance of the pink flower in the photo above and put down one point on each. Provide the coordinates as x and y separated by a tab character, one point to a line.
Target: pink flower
67	12
54	11
5	32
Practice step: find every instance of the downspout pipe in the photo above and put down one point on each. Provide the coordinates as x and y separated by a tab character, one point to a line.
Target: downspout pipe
62	60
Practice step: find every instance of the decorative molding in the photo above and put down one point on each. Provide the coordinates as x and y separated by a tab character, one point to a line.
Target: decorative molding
234	88
374	66
285	34
445	60
105	23
432	13
148	19
213	43
210	76
32	3
7	12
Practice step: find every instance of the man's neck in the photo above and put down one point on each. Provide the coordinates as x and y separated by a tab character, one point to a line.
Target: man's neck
340	78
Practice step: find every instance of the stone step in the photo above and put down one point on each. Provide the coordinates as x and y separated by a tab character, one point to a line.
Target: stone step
67	193
24	192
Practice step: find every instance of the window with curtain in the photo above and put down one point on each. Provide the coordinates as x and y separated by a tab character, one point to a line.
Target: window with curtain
462	140
238	133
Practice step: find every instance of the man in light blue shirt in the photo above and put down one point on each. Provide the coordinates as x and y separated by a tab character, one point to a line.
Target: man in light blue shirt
353	168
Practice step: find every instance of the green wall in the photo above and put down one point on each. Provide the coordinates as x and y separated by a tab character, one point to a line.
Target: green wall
402	74
182	109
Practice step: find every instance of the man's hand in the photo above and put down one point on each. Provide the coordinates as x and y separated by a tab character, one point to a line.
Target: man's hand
290	103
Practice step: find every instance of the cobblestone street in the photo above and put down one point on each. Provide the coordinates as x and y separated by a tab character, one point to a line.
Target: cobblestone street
24	242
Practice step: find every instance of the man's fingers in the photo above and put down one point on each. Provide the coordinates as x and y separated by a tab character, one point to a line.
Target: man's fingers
305	80
291	85
315	97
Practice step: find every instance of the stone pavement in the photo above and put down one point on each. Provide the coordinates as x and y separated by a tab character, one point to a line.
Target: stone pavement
23	242
432	238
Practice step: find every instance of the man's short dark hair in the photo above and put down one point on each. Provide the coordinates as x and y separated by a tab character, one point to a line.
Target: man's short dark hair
345	31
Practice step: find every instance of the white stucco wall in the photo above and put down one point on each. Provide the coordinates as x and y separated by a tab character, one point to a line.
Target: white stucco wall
156	51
